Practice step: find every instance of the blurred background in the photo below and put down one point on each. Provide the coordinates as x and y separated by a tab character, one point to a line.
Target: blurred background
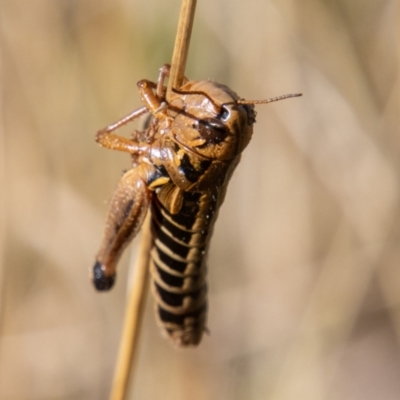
304	264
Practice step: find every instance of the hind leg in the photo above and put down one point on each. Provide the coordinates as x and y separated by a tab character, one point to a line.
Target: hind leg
127	210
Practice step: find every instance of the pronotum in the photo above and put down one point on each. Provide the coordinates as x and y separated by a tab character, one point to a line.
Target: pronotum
182	163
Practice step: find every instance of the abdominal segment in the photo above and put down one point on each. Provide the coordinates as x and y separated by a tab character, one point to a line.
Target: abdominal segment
178	265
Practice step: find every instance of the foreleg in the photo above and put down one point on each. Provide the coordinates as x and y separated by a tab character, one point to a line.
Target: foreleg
115	142
153	98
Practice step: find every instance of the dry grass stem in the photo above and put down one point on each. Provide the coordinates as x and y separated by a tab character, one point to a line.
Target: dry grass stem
133	317
3	192
181	47
136	300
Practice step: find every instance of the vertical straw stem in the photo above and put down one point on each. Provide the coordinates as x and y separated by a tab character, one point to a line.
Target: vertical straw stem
3	192
181	47
137	295
133	316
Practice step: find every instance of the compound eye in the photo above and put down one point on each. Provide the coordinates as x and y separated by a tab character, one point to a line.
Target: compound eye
212	130
224	114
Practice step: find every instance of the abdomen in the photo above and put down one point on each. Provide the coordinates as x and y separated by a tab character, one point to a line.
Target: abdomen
178	265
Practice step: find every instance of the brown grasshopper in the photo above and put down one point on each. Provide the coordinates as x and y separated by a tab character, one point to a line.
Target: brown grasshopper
182	163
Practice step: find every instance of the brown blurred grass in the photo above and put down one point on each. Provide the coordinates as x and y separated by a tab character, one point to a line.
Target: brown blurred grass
304	261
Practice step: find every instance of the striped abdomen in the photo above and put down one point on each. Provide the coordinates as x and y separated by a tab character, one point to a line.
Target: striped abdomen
178	265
